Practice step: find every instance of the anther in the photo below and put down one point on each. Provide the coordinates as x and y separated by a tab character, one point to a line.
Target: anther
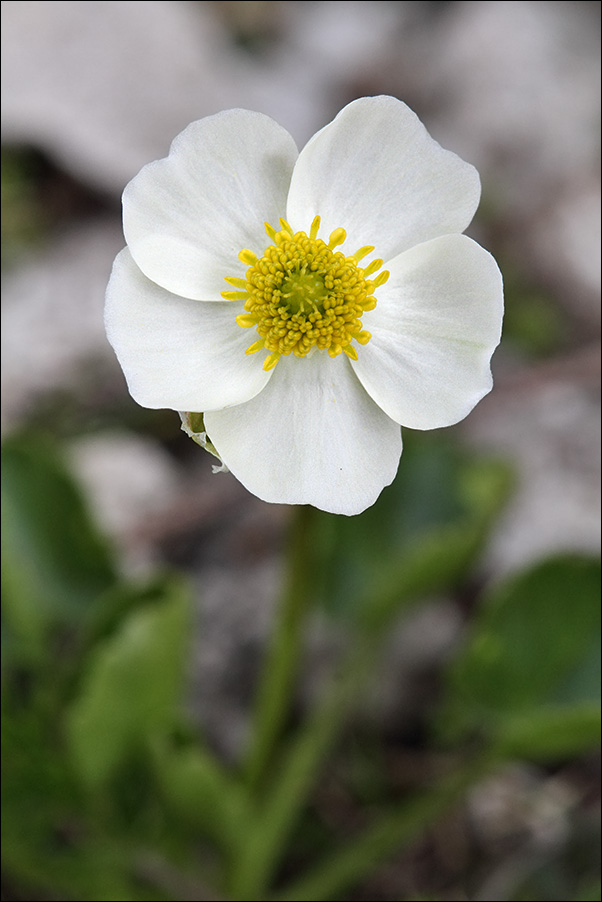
337	237
363	252
238	283
286	227
270	230
381	278
256	346
271	361
372	267
301	295
246	320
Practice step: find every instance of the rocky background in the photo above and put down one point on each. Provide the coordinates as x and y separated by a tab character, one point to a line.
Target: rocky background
90	93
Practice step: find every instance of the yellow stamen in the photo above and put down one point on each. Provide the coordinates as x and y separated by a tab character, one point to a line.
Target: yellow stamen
270	230
248	257
286	227
337	237
271	361
363	252
303	295
381	279
246	320
372	267
238	283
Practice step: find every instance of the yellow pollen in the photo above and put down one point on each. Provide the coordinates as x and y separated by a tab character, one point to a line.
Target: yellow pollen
303	295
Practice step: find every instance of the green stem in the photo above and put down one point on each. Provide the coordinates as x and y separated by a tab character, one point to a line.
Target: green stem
387	836
294	780
273	696
283	799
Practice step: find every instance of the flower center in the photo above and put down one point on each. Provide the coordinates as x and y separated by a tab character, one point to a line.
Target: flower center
302	294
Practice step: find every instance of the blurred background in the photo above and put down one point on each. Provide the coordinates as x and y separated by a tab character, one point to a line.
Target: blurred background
90	93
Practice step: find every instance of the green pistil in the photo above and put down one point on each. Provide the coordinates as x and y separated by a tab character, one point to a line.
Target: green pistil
303	291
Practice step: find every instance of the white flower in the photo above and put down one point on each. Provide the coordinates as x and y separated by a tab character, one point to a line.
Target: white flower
363	309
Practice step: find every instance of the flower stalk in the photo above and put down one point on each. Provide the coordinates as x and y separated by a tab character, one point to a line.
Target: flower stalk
276	681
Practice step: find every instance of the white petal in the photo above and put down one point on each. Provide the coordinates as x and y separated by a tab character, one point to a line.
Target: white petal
313	436
186	217
376	172
434	329
178	353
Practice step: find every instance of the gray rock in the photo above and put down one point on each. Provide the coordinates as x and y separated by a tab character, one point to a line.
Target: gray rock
52	318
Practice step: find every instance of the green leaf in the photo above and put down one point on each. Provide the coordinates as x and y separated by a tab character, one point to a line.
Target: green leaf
37	789
389	832
119	602
533	323
530	637
54	562
45	846
592	892
526	677
201	793
583	682
26	216
421	536
131	688
97	868
550	733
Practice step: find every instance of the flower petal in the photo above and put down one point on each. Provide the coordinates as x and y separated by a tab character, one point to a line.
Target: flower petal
313	436
436	324
178	353
186	217
376	172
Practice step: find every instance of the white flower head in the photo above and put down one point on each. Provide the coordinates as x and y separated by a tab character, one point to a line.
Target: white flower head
307	304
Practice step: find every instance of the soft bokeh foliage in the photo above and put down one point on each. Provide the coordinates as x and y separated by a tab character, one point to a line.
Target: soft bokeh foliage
108	790
422	723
